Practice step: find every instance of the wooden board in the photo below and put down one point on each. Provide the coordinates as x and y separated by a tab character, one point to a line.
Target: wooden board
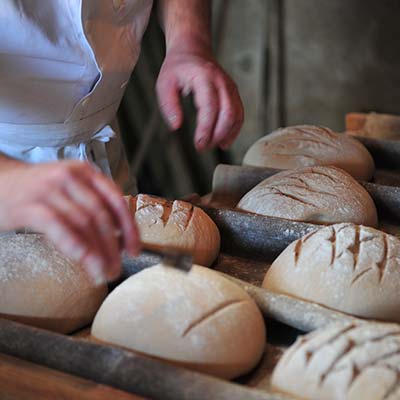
119	368
148	377
21	379
242	233
374	125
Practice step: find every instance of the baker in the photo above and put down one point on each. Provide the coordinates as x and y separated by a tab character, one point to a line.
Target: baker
64	66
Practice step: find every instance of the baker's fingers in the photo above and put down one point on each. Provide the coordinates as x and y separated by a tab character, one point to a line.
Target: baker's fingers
207	104
111	196
230	118
168	94
227	143
42	218
93	225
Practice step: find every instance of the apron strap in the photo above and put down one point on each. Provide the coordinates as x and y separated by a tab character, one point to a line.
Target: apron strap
59	134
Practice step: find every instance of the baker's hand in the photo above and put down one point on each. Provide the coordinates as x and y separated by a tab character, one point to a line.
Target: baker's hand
219	107
82	212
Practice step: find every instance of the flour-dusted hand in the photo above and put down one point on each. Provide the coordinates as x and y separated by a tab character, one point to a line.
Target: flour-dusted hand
81	211
190	68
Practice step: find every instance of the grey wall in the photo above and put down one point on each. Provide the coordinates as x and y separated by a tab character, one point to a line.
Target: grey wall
241	40
294	61
340	56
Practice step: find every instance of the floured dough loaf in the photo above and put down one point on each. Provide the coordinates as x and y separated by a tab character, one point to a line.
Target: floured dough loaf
41	287
307	146
176	224
346	267
343	362
315	194
199	320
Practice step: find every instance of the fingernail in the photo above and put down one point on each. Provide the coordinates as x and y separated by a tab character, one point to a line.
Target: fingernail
173	121
172	118
95	269
78	252
202	143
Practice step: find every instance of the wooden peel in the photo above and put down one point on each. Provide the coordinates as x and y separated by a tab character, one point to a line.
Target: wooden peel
374	125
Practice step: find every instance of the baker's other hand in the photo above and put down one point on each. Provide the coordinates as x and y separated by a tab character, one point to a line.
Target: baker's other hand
219	107
81	211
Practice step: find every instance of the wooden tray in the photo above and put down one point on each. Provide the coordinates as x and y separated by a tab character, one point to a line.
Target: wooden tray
249	245
151	378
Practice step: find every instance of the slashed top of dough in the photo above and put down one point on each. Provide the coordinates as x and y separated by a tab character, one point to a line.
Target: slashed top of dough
316	194
175	224
347	267
309	145
350	361
152	210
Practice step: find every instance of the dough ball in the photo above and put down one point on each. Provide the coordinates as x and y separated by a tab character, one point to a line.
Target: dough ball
307	146
176	224
41	287
199	320
350	268
351	361
315	194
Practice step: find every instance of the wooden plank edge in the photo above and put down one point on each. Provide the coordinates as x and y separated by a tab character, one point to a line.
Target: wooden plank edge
116	367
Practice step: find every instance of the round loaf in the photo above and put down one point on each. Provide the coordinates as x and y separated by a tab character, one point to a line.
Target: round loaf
351	361
176	224
307	146
350	268
316	194
199	320
41	287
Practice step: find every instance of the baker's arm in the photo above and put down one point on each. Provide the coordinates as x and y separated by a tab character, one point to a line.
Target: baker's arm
78	209
189	67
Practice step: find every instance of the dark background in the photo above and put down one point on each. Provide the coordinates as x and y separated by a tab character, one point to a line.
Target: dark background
295	62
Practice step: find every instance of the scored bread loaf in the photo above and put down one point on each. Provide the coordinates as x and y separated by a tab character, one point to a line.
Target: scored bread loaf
41	287
307	146
176	224
199	320
347	267
315	194
350	361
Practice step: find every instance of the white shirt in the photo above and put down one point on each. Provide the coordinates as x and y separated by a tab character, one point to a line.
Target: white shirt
64	65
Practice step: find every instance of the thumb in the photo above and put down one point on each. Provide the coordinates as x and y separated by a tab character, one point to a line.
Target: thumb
168	95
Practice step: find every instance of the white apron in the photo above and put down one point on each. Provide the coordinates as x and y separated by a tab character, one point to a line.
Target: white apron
64	65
